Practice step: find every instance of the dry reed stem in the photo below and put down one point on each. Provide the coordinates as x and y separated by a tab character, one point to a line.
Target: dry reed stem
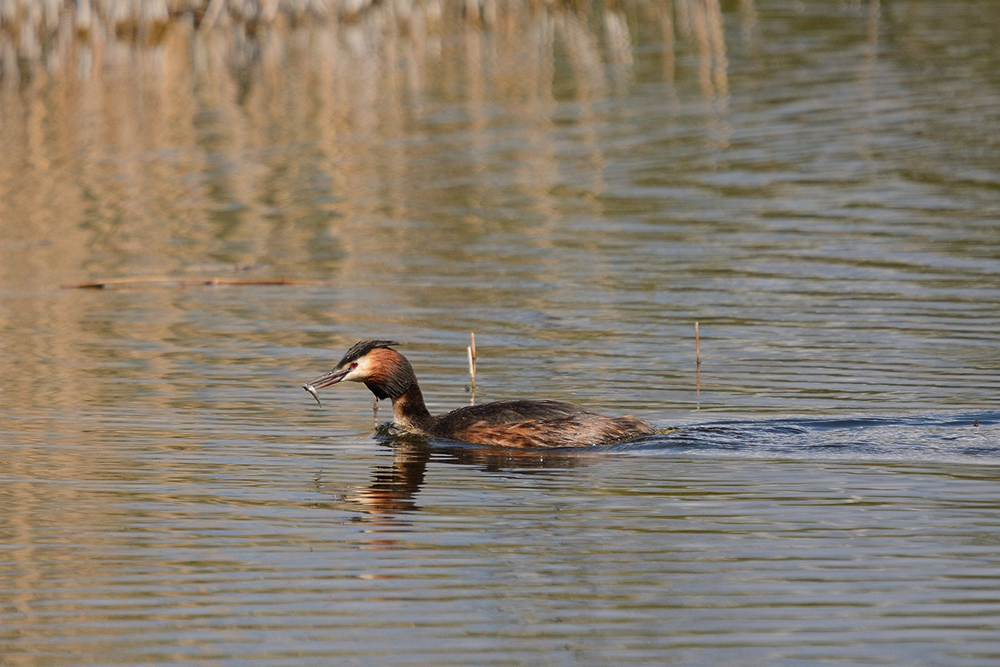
697	345
472	366
697	360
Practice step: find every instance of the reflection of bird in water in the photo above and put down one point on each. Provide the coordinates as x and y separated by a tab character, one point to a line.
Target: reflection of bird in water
394	486
532	423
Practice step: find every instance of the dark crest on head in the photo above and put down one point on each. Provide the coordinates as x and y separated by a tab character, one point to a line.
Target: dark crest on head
362	348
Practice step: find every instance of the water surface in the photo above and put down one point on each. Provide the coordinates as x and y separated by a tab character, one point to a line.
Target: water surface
816	185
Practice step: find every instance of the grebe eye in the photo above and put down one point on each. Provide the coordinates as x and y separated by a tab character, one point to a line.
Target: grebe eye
354	365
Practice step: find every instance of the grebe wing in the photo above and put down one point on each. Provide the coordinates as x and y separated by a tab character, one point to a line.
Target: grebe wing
511	412
543	423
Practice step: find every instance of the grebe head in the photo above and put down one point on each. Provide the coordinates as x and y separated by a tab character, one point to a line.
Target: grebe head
385	372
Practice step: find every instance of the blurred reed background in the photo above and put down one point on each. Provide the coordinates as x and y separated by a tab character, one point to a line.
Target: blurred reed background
64	39
135	124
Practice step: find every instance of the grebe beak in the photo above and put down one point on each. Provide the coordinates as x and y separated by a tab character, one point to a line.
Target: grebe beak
333	377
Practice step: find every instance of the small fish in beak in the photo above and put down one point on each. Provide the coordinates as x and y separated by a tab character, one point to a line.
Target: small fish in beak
312	390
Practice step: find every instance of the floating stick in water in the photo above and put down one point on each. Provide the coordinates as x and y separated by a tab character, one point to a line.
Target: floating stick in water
312	390
168	281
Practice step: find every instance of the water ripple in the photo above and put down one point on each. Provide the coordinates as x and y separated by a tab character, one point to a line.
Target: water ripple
958	437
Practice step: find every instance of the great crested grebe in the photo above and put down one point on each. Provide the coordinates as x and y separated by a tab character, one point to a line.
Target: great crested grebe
534	423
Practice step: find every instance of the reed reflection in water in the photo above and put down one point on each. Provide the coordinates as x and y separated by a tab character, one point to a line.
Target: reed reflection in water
132	120
814	183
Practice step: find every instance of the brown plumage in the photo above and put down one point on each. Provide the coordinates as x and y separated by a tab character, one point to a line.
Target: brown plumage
388	374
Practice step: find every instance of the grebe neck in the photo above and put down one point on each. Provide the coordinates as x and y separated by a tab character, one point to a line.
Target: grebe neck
410	412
